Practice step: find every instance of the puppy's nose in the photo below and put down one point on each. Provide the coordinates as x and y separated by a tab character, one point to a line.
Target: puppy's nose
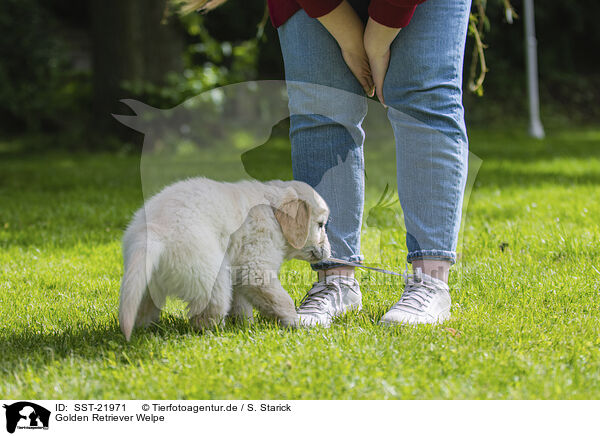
325	252
319	253
326	249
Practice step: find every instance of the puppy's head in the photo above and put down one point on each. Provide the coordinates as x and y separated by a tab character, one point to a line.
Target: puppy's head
302	215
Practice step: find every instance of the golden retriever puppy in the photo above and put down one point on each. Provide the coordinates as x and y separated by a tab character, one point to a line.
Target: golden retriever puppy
219	247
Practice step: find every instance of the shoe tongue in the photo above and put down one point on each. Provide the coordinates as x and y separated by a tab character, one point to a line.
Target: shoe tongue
339	280
420	277
332	278
343	277
320	286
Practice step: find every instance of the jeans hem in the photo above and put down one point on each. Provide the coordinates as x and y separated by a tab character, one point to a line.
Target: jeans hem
326	264
433	255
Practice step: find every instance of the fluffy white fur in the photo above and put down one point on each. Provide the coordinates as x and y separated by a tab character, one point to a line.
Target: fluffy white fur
219	247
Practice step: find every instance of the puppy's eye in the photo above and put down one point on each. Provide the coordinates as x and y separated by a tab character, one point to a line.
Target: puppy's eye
321	225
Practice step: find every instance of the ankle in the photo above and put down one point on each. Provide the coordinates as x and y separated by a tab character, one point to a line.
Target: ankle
343	271
438	269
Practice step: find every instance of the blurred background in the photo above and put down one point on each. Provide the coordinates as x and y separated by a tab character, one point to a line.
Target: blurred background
65	65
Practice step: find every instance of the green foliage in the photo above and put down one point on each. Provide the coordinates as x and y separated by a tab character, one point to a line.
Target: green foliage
524	324
383	215
37	88
40	89
209	63
567	35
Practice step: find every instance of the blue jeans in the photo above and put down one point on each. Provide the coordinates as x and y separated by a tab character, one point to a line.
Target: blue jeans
423	89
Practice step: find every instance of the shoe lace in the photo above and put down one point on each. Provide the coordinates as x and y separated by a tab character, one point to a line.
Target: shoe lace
318	296
417	292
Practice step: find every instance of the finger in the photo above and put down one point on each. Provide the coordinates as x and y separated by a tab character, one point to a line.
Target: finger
368	78
371	86
359	66
363	75
380	95
379	69
378	78
367	83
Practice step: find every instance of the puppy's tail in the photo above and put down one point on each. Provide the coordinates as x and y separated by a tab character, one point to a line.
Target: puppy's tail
142	260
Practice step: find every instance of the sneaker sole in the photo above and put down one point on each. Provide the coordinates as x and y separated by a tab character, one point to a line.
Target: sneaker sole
443	317
351	308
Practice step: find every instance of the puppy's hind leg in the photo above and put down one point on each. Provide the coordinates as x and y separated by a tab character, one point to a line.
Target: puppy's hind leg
149	310
241	308
204	316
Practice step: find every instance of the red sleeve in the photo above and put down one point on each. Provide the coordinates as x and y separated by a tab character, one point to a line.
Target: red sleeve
393	13
318	8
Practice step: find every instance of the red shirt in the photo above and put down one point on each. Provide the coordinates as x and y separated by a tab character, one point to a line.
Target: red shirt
390	13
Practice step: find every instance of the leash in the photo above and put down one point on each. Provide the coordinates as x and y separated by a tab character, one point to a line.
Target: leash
358	265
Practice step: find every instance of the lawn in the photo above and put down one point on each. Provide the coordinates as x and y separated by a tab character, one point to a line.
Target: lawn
525	316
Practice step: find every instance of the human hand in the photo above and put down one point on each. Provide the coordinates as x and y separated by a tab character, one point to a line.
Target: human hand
357	61
377	41
345	26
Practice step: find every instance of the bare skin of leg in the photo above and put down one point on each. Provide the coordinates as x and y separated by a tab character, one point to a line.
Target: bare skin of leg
438	269
347	271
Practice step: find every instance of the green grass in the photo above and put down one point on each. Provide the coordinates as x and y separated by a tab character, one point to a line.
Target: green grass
525	294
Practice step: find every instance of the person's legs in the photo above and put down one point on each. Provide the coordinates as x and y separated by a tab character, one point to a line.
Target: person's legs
423	89
327	107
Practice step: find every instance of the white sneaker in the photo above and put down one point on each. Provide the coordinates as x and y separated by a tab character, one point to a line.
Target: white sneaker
425	300
329	298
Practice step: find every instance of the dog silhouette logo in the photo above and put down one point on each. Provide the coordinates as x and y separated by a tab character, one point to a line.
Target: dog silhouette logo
26	415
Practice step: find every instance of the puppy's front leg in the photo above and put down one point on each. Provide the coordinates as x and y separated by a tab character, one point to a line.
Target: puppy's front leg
241	308
272	301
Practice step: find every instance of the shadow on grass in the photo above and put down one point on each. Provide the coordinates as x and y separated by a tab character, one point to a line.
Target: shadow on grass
23	349
31	350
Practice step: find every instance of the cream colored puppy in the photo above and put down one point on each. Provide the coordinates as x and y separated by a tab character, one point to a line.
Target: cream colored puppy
219	247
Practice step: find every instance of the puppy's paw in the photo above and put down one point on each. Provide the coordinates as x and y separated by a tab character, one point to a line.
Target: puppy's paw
203	322
290	321
240	319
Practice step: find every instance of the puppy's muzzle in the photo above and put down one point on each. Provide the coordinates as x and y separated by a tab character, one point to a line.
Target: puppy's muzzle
320	253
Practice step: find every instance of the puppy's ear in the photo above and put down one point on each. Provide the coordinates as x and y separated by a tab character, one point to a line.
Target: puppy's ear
293	216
